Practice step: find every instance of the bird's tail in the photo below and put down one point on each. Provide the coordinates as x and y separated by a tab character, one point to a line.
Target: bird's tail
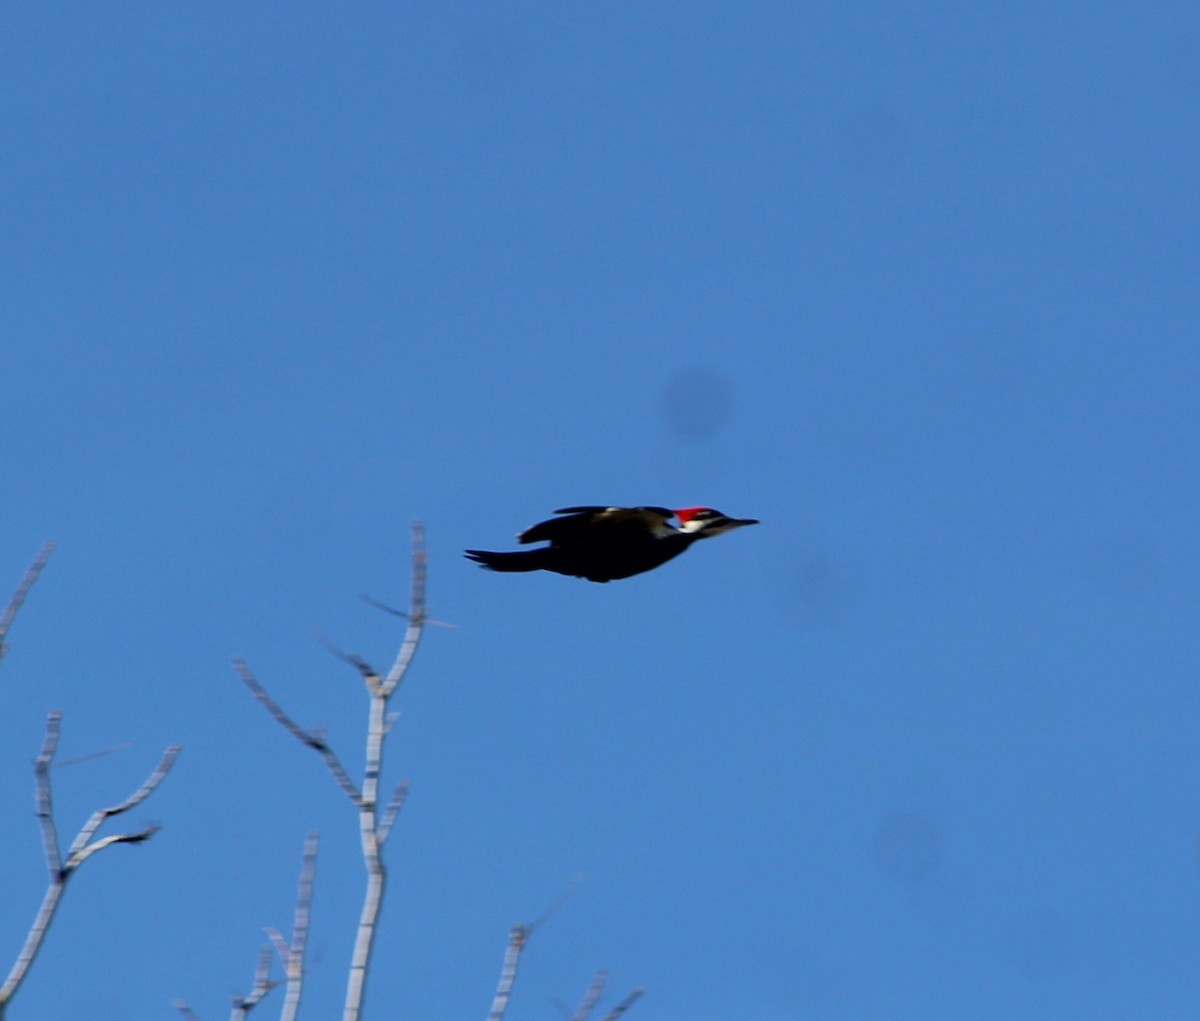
524	560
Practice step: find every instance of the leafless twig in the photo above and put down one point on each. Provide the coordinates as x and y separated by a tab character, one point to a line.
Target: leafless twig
291	955
293	960
82	847
119	747
399	796
371	830
518	939
624	1005
185	1010
19	596
557	903
374	826
371	601
311	739
367	672
263	984
416	612
591	997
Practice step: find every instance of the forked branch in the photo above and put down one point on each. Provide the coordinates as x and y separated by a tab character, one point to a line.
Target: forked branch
291	955
374	824
82	847
263	984
592	997
312	739
518	939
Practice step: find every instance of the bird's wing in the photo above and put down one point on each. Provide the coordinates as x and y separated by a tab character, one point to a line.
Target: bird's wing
555	529
652	520
658	512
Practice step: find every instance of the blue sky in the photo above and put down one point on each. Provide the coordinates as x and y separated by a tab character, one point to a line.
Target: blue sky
915	284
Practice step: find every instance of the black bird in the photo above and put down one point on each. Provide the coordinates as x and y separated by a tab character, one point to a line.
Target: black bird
607	543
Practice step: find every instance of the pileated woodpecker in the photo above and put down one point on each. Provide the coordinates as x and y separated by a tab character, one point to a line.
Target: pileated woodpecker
607	543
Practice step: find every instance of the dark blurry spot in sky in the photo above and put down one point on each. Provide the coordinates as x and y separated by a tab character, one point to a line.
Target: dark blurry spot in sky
1125	564
697	403
871	141
907	847
817	593
493	55
1039	942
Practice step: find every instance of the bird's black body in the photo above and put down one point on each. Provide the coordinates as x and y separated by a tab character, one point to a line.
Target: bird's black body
608	543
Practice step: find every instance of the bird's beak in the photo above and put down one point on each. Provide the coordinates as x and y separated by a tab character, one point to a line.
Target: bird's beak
729	524
718	525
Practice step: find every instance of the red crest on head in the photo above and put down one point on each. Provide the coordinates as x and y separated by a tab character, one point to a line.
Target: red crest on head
688	513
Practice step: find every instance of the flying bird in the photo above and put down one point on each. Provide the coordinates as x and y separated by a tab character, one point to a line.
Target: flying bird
607	543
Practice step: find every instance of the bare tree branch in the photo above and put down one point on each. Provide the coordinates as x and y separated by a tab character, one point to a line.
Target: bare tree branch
185	1010
374	827
624	1005
18	600
371	830
558	902
282	949
372	861
291	955
82	847
518	939
44	795
293	964
399	796
242	1005
416	612
368	673
591	997
312	740
118	747
371	601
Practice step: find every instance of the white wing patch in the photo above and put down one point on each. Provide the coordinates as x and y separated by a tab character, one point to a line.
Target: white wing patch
662	529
